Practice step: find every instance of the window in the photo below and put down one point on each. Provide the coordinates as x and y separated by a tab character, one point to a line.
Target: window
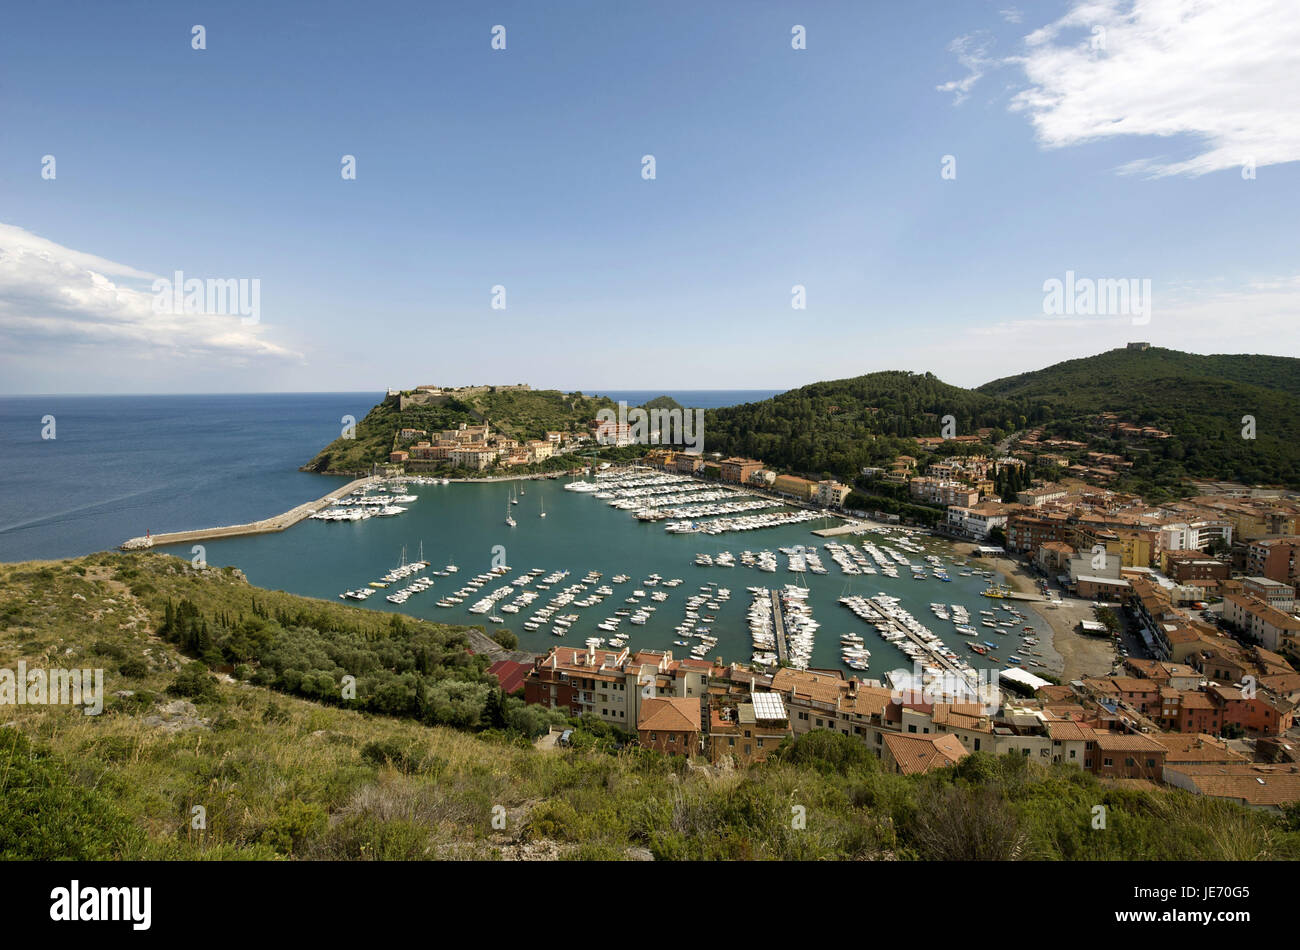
1129	762
911	727
977	745
1107	762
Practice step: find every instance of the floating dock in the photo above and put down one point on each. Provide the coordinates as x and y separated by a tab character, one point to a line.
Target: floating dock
265	526
853	527
937	658
778	625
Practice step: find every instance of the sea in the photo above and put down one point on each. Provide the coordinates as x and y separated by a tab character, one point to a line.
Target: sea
118	465
85	473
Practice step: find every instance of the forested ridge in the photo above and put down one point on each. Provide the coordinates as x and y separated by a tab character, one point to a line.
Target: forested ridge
1205	402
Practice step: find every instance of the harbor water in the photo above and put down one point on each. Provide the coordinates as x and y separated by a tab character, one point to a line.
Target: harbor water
465	524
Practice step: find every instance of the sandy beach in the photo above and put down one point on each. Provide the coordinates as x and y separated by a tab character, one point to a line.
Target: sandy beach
1070	654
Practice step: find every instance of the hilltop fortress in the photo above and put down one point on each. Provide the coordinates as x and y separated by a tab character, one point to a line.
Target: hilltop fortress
437	395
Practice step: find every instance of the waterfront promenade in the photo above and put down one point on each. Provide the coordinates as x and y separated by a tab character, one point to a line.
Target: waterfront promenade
267	525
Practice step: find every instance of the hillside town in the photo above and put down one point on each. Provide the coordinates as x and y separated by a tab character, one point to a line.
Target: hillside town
1204	588
475	448
1162	722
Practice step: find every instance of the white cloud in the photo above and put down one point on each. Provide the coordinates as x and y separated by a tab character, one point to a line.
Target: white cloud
1224	72
1011	15
1260	316
53	296
972	52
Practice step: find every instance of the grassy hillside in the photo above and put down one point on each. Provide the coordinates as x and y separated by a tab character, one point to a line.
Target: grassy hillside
278	776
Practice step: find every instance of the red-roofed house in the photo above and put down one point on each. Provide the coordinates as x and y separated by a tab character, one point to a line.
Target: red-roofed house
510	674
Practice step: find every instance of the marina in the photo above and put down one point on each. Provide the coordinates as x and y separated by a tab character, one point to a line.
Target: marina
597	571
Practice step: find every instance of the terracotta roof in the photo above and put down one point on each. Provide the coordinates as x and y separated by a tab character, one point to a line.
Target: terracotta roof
1192	699
1066	731
1133	684
1251	783
670	714
1196	747
917	754
510	674
1055	693
961	716
1127	742
821	687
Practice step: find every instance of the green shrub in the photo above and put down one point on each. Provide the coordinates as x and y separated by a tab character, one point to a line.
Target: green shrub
45	816
196	683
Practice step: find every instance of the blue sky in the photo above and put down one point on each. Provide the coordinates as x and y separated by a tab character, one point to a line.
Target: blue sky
522	167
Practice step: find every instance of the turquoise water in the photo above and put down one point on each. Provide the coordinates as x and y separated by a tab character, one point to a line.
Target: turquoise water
465	522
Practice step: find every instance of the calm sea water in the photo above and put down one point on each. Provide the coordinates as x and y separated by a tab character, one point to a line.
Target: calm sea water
121	465
465	524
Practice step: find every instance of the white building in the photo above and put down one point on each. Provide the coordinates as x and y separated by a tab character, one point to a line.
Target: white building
1194	535
976	521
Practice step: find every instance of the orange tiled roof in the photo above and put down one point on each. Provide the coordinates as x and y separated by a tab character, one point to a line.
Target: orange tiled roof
917	754
670	714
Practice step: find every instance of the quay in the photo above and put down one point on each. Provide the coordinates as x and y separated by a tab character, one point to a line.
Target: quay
861	525
853	527
937	658
778	625
265	526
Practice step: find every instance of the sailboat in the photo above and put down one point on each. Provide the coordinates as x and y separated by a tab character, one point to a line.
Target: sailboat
543	508
509	520
513	499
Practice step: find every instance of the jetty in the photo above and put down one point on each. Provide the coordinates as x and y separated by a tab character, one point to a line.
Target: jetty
936	658
778	625
265	526
853	527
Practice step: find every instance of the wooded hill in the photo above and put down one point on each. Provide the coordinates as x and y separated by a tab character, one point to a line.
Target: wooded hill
839	426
